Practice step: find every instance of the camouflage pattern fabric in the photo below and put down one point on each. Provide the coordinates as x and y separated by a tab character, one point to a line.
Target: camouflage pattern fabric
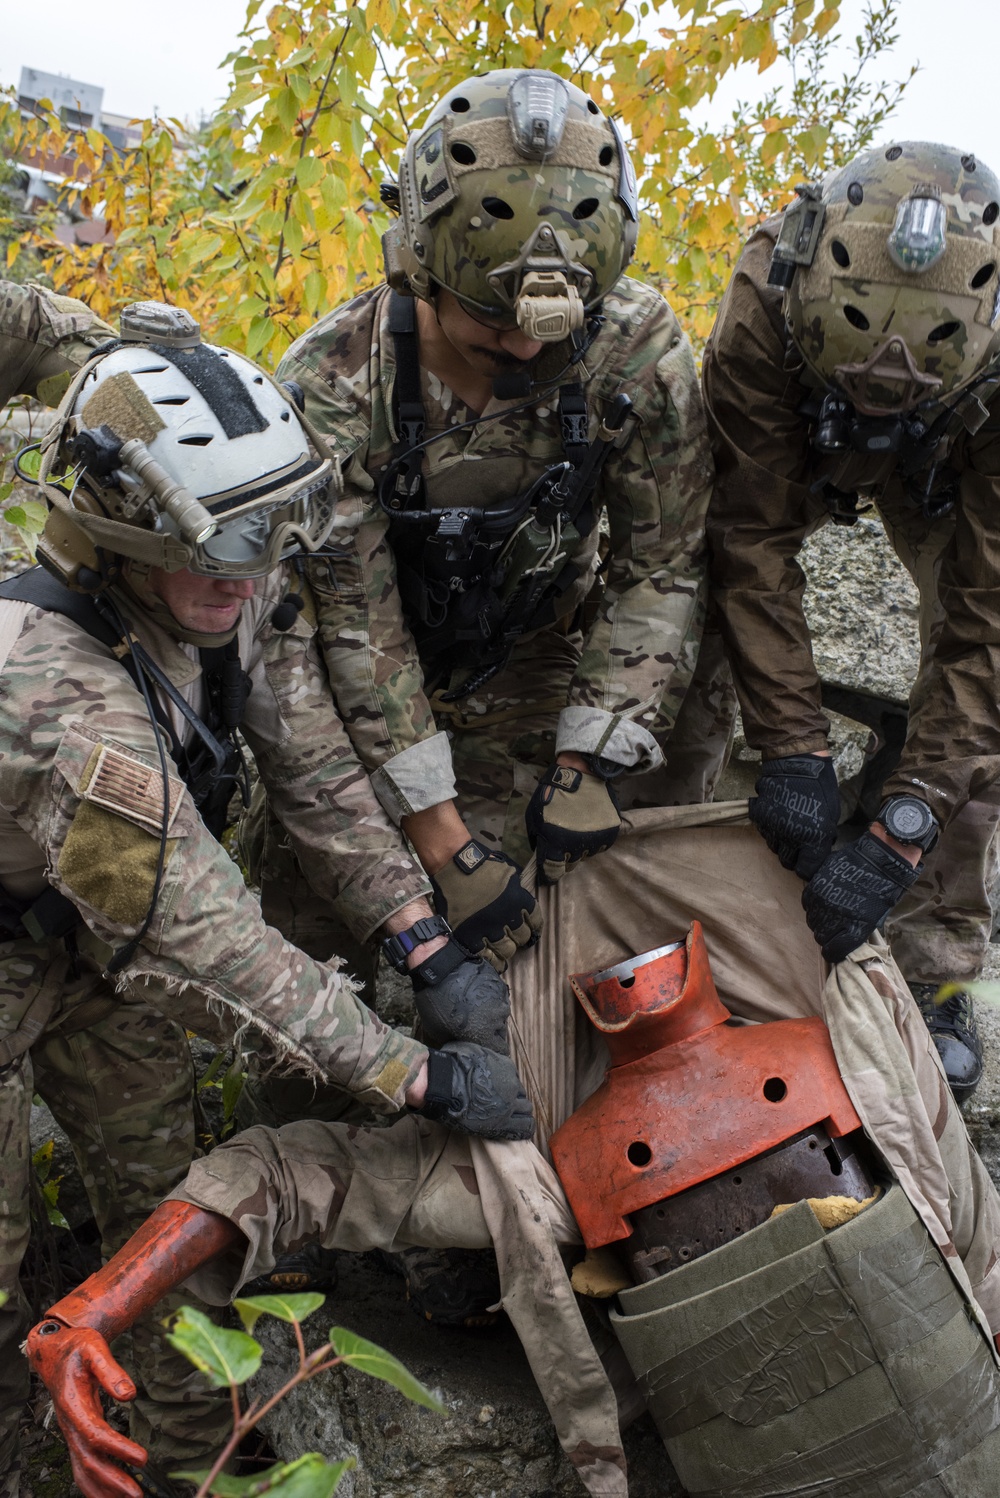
648	619
763	509
81	795
82	792
43	337
118	1077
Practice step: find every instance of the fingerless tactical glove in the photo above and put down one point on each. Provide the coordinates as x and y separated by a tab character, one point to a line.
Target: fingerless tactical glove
481	896
477	1092
570	816
796	810
852	892
463	999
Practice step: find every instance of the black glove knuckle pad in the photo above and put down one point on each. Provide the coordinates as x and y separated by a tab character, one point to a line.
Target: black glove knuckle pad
470	1003
852	892
797	810
472	1089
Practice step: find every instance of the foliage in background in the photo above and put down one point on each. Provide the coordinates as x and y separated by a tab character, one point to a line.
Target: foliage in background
269	214
229	1358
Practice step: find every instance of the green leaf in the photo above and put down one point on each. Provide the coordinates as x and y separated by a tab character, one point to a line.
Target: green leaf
35	512
285	1307
226	1357
990	991
232	1082
30	461
260	335
359	1353
14	515
287	107
307	1477
309	171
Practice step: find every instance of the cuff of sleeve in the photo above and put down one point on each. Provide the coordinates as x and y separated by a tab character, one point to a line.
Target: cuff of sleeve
384	1084
902	783
591	730
366	904
419	777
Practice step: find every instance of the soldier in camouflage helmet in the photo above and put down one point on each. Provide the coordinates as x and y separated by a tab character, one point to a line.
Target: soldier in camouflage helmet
856	357
510	679
162	622
507	386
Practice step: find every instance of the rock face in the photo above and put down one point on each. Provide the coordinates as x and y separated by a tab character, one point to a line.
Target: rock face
862	611
497	1440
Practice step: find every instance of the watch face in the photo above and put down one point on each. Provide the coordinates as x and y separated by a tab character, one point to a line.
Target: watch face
908	821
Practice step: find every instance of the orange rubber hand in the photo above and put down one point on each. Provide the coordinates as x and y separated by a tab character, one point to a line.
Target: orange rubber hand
75	1364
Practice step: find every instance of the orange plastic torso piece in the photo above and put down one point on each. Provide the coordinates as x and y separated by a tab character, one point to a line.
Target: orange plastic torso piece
690	1093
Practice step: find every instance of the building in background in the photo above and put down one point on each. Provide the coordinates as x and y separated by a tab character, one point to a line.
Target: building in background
80	106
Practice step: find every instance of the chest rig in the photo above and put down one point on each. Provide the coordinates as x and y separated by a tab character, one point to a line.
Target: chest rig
855	455
474	578
210	763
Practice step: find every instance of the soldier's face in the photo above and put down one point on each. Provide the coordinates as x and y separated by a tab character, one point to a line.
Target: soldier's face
204	605
485	349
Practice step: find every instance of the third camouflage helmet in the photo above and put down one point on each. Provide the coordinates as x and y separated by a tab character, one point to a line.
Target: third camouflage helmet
893	293
518	197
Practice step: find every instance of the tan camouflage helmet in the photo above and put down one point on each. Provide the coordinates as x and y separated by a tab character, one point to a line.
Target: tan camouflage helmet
891	270
519	197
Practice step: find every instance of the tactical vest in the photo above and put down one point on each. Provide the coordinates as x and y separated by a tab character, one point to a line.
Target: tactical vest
473	580
211	765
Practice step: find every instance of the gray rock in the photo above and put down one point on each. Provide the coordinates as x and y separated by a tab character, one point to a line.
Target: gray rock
982	1111
497	1440
862	610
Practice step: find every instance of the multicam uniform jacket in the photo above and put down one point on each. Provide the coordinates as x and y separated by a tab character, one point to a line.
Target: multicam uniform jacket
655	491
768	498
81	800
43	339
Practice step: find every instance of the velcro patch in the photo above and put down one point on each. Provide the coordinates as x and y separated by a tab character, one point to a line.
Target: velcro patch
129	788
470	857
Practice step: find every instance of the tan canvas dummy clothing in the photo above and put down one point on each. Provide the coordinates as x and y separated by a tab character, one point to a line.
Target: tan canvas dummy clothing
676	864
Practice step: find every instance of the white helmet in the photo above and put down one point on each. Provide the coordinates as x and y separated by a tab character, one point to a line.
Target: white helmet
182	454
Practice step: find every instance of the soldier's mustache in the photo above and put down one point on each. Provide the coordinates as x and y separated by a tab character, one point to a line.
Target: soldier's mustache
500	359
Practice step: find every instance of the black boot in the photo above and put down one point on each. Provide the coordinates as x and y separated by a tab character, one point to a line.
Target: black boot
956	1035
449	1286
312	1267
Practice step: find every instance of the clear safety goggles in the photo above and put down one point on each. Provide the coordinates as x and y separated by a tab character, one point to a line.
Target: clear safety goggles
252	539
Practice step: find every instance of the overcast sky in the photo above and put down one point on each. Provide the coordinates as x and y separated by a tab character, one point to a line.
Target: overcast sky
171	63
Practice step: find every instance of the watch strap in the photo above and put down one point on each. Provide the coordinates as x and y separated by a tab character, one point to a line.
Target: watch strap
399	946
439	1099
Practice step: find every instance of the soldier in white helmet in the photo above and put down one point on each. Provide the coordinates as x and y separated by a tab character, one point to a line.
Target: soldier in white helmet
181	480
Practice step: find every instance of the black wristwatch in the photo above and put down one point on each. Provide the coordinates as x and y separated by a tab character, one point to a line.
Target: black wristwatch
909	820
397	948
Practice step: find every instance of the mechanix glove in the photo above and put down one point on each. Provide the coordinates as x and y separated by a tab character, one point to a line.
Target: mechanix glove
570	816
852	892
459	997
481	896
472	1089
796	810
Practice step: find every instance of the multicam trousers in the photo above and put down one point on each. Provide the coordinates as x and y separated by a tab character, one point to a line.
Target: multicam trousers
118	1078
